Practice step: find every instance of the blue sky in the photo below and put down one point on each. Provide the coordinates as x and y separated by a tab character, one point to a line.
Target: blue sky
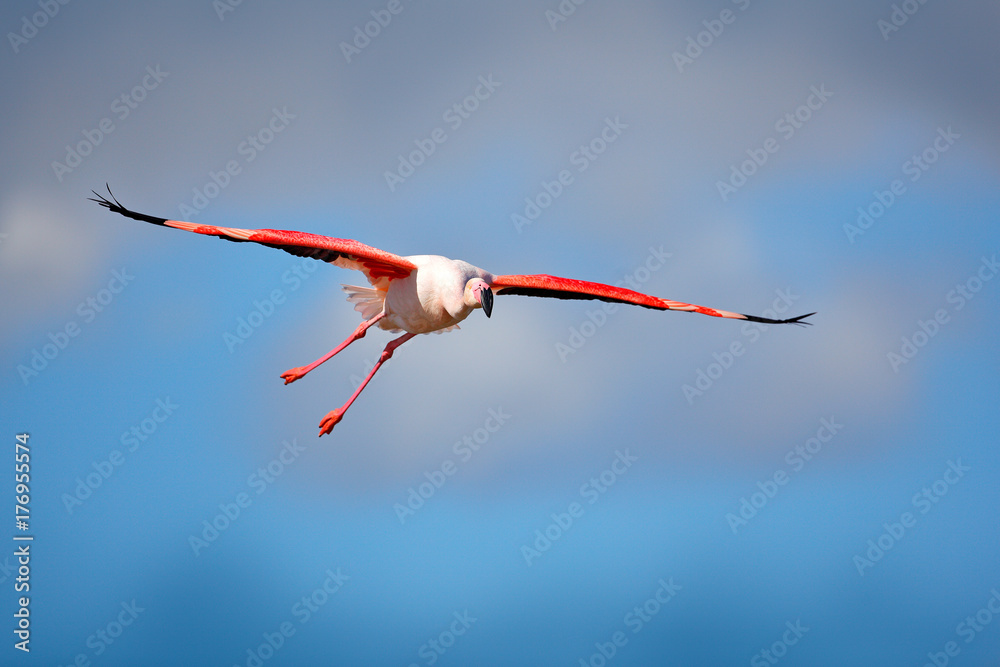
541	545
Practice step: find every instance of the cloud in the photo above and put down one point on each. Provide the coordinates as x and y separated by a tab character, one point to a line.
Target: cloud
47	252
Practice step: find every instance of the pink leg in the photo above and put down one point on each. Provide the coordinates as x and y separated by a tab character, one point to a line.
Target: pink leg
334	416
296	373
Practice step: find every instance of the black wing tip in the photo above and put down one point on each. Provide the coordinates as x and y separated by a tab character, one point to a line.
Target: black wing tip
793	320
103	201
115	206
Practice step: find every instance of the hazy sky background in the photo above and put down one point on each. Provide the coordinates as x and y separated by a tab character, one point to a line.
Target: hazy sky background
107	320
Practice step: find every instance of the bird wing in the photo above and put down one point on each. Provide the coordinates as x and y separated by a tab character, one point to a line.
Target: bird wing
379	266
567	288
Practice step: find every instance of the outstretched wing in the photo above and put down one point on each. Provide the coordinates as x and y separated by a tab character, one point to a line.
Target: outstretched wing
566	288
379	266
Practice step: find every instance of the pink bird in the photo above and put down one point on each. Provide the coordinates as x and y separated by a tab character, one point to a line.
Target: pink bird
418	294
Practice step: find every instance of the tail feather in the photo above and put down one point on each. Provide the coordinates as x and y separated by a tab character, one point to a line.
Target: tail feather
367	300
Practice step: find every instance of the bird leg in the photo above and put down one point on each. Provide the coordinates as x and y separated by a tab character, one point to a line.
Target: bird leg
334	416
298	372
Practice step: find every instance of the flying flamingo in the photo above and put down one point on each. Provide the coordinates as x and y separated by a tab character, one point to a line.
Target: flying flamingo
417	294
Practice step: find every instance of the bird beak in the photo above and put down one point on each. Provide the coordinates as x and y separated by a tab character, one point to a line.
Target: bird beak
486	300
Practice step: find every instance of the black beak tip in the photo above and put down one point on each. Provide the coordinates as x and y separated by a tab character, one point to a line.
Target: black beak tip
487	301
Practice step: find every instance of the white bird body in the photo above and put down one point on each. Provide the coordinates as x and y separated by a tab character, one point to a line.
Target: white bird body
432	298
421	293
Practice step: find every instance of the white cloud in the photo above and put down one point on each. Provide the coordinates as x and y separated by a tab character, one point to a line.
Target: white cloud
47	251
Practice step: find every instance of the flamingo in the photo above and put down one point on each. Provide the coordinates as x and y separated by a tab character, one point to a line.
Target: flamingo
417	294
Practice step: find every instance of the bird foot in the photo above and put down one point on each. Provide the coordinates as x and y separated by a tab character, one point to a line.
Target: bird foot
292	375
332	419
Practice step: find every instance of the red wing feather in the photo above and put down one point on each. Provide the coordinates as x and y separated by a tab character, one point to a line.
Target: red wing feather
567	288
376	264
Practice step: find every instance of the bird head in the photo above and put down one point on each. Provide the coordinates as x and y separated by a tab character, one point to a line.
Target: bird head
481	295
